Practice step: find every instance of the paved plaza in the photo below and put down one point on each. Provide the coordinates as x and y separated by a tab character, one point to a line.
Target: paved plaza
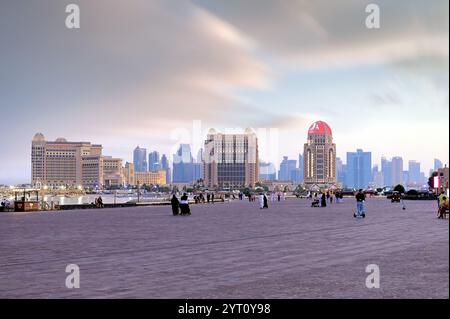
227	250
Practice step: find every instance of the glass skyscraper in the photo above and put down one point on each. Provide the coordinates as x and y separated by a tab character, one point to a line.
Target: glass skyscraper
414	172
437	164
183	165
267	172
287	170
154	164
140	159
386	170
397	170
359	169
165	166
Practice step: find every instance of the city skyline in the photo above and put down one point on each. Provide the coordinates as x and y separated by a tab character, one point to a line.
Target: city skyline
357	172
383	90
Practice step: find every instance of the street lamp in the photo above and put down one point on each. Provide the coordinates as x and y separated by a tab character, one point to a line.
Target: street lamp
138	192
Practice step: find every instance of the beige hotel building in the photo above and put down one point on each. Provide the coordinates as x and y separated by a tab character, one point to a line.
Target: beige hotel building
72	164
231	160
82	165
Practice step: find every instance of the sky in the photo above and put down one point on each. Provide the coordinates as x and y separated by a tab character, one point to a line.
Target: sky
155	73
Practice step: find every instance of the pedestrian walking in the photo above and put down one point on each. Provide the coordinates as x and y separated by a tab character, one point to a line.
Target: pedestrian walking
360	199
175	205
184	205
323	202
261	201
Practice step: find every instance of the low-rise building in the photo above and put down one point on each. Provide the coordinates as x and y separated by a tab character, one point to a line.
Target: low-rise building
150	178
112	172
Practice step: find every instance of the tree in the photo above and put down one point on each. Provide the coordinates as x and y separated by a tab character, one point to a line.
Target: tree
399	188
299	189
246	191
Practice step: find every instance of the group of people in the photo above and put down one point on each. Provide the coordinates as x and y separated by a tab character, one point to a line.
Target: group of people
99	202
200	198
181	206
273	197
325	197
263	201
5	204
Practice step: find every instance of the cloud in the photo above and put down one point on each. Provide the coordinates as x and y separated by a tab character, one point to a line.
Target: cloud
121	47
137	70
323	34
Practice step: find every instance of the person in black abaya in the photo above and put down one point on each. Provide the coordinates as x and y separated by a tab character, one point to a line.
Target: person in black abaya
323	200
266	202
175	205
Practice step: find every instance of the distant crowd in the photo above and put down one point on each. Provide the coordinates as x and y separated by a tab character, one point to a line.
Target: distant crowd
318	199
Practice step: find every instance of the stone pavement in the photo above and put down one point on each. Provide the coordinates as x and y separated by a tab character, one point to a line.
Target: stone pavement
227	250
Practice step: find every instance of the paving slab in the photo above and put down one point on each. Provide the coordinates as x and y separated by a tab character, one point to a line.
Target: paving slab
228	250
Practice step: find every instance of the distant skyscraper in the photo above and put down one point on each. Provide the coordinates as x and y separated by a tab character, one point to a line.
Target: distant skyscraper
140	159
287	169
405	178
197	171
377	177
320	156
359	169
414	172
301	164
154	163
198	168
340	171
200	155
231	160
437	164
423	178
386	170
183	165
166	167
397	170
267	172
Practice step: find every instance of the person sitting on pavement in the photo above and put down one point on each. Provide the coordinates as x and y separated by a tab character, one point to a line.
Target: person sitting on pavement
100	202
443	205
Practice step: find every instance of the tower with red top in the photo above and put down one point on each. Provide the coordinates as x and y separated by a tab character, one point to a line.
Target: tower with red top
320	156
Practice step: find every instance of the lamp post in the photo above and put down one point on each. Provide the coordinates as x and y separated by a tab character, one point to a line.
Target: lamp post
138	192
